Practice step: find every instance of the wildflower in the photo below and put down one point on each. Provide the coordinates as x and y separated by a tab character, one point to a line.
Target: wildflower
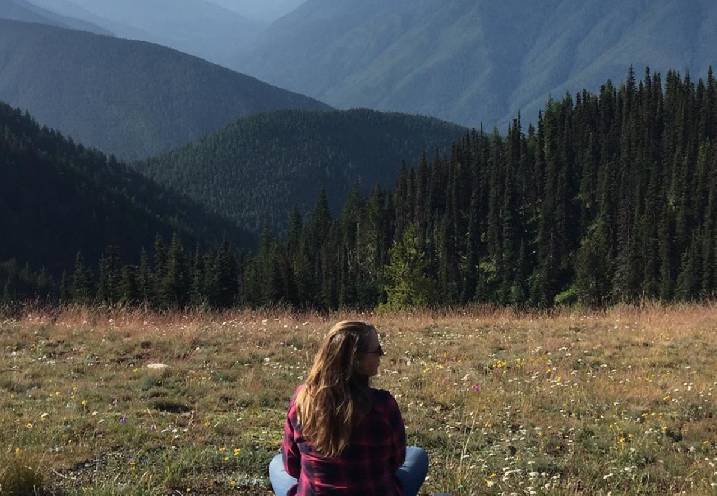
123	419
237	451
475	388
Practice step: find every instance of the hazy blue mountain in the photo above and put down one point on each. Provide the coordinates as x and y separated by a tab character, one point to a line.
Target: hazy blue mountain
197	27
69	8
258	169
21	10
473	61
58	198
129	98
261	10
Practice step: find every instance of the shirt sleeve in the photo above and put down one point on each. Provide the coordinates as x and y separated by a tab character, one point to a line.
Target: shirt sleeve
289	449
398	430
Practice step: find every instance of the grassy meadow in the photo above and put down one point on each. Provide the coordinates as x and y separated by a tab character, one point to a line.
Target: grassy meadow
609	403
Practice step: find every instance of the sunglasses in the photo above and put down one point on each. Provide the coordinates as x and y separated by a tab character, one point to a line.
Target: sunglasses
378	351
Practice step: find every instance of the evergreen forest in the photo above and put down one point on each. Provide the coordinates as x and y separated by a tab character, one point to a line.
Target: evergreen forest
58	198
610	197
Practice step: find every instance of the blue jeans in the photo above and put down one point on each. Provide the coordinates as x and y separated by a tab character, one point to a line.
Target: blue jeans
411	474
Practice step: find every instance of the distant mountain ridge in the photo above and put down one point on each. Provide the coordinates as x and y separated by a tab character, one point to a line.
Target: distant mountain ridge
476	61
258	169
128	98
22	10
198	27
262	10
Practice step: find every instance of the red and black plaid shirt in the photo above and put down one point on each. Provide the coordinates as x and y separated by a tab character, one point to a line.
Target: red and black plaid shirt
367	466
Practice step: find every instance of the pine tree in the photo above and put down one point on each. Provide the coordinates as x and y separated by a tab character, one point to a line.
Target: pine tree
10	287
108	276
687	281
592	280
128	290
224	278
709	240
269	270
173	286
159	268
407	285
197	286
372	249
64	289
81	282
145	280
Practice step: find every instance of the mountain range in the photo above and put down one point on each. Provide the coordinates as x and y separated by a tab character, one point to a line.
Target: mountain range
128	98
21	10
475	61
265	11
198	27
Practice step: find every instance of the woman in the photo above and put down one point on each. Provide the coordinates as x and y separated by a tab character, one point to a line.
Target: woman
342	437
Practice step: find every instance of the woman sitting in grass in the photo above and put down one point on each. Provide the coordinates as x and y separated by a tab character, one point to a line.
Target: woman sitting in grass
341	436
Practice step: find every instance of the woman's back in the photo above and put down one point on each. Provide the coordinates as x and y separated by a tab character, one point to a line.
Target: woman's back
367	466
342	437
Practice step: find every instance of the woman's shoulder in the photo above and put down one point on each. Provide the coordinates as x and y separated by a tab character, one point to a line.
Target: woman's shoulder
383	398
296	392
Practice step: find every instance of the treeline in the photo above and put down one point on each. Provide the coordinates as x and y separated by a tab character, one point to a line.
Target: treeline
168	277
610	197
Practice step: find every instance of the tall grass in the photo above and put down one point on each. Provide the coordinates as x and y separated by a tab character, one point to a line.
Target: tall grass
567	401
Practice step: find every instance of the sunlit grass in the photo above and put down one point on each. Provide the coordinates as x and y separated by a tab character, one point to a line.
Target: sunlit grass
617	402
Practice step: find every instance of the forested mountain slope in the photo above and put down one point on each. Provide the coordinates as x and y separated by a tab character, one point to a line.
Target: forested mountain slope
129	98
476	61
58	198
257	169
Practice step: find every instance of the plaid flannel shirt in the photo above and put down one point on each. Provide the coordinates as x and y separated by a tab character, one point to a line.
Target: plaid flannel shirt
367	467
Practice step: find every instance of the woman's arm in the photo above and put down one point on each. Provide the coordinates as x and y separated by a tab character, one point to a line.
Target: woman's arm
398	430
290	451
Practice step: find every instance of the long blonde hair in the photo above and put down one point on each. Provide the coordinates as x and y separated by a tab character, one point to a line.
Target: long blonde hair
335	397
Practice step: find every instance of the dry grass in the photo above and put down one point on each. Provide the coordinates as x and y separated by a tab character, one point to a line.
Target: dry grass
562	403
